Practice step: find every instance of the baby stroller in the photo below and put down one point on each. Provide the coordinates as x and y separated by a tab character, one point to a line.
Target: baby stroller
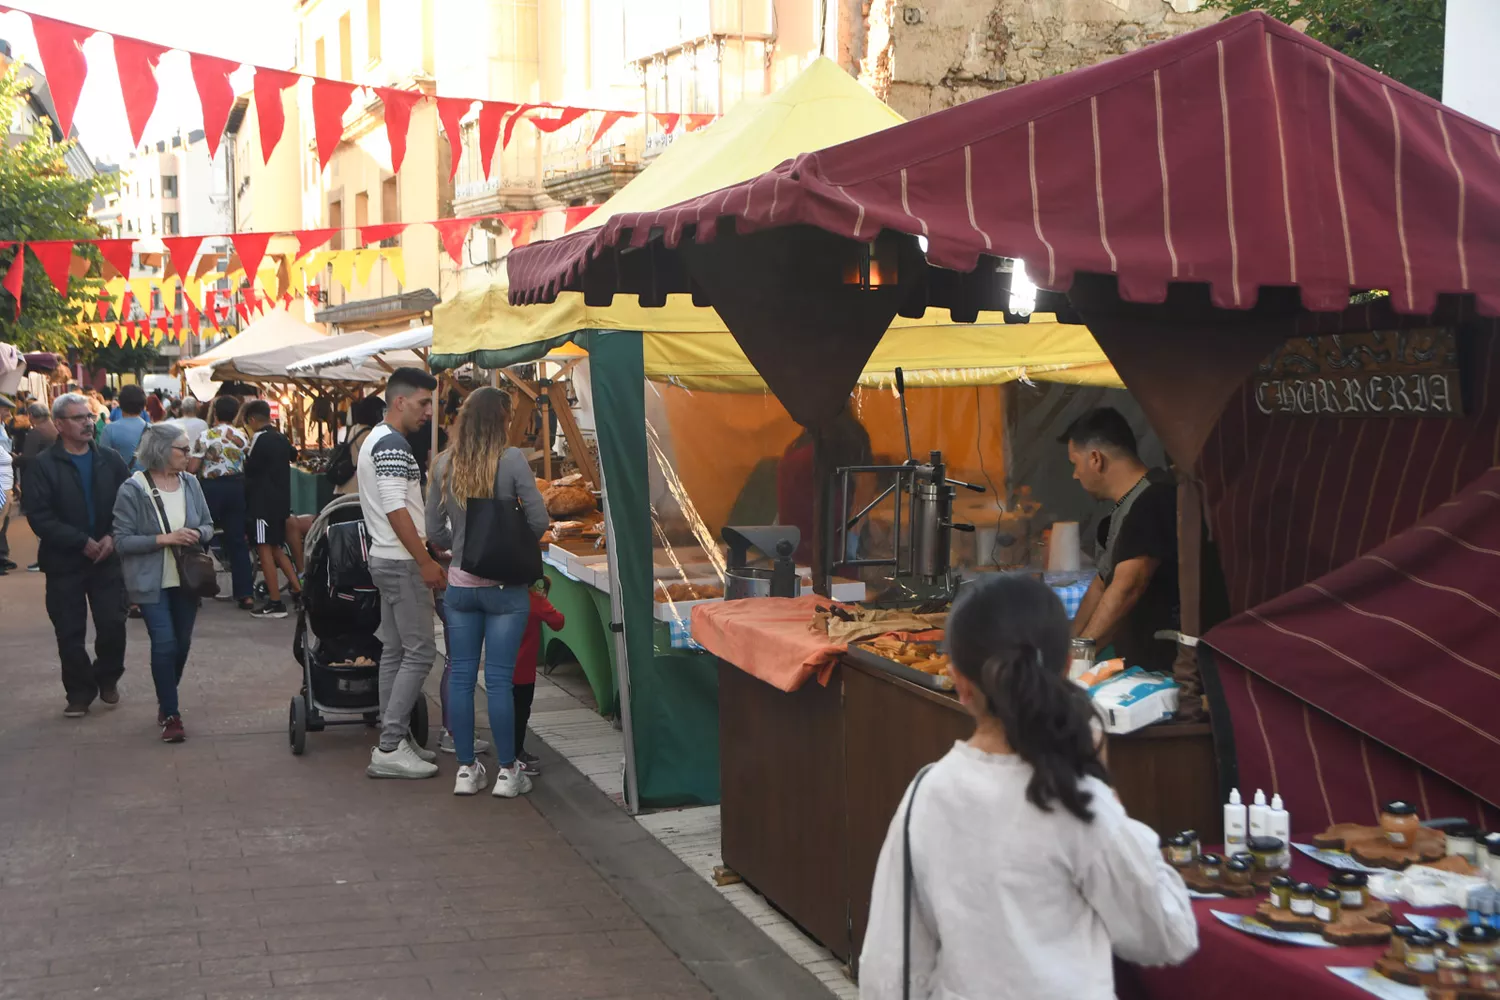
337	638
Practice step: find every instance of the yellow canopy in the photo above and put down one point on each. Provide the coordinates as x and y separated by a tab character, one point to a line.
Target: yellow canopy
821	107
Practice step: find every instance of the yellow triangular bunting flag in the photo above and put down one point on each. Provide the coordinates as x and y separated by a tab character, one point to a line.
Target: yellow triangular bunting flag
364	263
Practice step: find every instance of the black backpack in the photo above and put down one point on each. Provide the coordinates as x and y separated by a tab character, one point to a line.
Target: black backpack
341	463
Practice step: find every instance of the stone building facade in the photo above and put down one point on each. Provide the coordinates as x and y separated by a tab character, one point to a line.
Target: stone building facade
925	55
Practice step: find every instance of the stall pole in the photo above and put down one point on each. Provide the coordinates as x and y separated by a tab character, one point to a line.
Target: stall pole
622	660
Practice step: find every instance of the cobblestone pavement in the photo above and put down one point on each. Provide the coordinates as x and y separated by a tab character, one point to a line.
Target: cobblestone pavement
225	868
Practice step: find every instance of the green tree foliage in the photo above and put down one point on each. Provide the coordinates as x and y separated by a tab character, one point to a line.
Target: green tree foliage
40	199
1401	38
118	359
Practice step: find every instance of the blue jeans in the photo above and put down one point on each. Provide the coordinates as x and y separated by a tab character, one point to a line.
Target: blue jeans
495	618
226	502
169	623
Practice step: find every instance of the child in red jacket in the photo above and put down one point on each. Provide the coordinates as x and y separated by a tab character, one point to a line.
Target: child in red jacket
524	683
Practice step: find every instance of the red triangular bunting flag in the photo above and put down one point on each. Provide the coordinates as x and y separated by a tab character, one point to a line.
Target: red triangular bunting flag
61	47
244	312
120	335
116	254
384	231
210	303
398	105
568	116
127	304
453	232
451	111
101	308
695	122
161	323
251	247
182	250
177	325
520	225
269	83
15	275
311	239
330	99
491	114
668	120
195	318
215	94
251	302
512	122
573	216
286	300
607	122
56	258
136	61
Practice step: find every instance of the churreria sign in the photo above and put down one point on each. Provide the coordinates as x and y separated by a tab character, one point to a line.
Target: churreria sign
1377	373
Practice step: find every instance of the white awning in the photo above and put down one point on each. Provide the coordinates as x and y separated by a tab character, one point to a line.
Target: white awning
395	350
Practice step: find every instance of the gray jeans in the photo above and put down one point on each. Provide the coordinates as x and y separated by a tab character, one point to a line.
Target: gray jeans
408	647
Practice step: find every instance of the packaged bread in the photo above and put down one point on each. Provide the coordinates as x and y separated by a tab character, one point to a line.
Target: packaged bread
567	529
576	479
567	501
673	592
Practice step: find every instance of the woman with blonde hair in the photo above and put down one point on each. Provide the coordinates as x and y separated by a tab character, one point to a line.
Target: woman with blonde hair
479	463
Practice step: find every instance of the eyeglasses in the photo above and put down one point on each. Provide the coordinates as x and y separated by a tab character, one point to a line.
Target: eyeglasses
79	416
180	447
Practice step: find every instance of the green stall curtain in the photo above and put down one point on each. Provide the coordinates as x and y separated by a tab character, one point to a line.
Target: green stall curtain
674	695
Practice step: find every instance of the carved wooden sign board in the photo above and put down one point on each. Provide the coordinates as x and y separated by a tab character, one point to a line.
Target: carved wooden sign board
1377	373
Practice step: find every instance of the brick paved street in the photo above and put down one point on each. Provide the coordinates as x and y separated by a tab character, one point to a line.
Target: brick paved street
226	868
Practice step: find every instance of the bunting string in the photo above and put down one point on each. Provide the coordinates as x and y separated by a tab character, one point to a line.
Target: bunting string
60	47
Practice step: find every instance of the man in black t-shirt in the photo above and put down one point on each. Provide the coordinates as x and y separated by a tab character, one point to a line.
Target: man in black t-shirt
268	503
1135	594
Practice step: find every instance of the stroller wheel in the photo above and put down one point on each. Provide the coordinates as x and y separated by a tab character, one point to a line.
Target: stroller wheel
419	721
296	729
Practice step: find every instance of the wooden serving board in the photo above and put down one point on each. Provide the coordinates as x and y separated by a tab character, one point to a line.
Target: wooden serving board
1395	970
1193	878
1370	924
1369	845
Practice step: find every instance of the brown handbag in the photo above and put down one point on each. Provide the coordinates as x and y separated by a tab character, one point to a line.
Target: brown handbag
195	568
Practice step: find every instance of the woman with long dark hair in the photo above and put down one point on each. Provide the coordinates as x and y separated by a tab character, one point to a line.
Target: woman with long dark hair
479	613
1027	876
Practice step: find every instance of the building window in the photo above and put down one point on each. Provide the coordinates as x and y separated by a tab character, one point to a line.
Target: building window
320	58
169	223
169	186
390	208
336	223
153	225
361	210
346	49
372	30
151	187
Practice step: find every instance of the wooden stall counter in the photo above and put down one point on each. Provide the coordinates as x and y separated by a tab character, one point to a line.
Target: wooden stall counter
811	779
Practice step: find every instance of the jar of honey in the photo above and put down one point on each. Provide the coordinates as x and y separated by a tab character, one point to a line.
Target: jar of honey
1421	952
1267	852
1399	821
1281	892
1179	850
1236	872
1326	905
1210	866
1302	899
1477	939
1353	887
1401	935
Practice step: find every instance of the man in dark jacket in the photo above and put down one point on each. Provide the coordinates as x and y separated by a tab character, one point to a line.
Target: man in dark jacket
268	503
69	496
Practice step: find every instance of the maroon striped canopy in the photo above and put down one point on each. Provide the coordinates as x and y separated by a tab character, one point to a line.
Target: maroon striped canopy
1240	155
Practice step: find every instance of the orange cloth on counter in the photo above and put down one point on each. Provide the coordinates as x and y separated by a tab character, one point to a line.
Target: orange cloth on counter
768	638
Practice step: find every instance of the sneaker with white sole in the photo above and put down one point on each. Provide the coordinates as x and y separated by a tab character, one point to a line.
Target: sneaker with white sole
421	751
445	744
401	762
470	780
531	764
510	782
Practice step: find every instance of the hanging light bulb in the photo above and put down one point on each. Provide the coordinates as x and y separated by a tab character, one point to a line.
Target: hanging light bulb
1022	290
922	244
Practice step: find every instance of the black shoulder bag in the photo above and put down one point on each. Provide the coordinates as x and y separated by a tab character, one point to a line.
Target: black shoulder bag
195	568
498	543
908	880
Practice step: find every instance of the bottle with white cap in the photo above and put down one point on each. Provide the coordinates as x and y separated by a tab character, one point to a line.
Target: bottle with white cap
1259	824
1279	822
1235	822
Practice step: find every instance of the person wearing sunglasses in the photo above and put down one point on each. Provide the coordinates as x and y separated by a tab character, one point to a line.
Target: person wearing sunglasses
69	500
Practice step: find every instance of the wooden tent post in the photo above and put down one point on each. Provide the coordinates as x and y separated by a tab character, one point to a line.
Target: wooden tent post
573	435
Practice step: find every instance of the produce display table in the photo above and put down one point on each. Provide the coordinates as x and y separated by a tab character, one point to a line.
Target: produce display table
585	633
1232	965
811	778
311	491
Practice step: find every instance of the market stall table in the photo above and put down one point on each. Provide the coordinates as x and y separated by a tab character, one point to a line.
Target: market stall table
585	633
311	491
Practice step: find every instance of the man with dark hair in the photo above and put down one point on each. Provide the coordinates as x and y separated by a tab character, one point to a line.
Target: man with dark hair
1135	594
108	395
124	434
69	497
390	494
268	503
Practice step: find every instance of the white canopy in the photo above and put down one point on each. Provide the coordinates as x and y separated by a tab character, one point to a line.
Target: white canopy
275	364
277	328
396	350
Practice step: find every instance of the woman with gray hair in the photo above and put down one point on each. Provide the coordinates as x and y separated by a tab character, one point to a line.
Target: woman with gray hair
158	510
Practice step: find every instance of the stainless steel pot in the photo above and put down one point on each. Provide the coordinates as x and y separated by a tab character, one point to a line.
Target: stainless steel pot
746	581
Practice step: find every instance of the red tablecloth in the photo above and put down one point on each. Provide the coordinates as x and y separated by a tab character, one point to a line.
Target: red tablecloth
1232	965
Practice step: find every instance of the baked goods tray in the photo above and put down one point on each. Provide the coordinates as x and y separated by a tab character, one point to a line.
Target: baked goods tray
933	682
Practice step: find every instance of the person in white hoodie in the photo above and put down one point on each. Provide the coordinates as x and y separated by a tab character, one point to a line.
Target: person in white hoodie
1026	875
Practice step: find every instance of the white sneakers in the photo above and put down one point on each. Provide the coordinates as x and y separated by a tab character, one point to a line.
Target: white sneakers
511	781
403	762
471	779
